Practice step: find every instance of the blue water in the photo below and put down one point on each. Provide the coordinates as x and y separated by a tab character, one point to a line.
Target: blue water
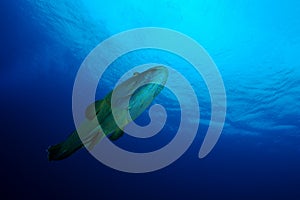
255	45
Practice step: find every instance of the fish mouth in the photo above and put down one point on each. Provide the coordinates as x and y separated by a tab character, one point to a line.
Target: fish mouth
158	74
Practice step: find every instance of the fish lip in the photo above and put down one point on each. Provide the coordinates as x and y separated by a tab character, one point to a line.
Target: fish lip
158	68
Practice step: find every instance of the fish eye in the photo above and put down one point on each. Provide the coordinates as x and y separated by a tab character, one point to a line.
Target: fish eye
135	73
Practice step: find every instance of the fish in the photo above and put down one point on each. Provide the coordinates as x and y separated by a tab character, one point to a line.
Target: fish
108	117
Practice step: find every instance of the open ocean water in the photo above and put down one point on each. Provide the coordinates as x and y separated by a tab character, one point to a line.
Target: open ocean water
255	45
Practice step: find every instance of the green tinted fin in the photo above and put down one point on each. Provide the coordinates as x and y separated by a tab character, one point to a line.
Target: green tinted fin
102	108
89	111
116	135
95	140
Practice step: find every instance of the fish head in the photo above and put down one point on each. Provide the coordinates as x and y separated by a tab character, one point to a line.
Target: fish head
137	92
157	75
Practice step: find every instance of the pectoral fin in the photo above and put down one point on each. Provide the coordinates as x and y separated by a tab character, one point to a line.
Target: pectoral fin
95	140
116	135
100	108
89	111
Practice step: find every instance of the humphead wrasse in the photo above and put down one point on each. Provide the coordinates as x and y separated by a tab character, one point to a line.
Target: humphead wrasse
131	96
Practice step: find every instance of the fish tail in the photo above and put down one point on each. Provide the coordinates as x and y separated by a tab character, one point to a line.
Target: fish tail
66	148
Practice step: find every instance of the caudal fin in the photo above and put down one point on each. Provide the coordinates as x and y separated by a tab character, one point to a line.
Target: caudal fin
66	148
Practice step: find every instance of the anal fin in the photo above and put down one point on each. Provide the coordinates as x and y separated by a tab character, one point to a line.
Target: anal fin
116	135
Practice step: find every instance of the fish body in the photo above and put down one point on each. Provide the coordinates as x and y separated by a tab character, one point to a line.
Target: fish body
125	103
